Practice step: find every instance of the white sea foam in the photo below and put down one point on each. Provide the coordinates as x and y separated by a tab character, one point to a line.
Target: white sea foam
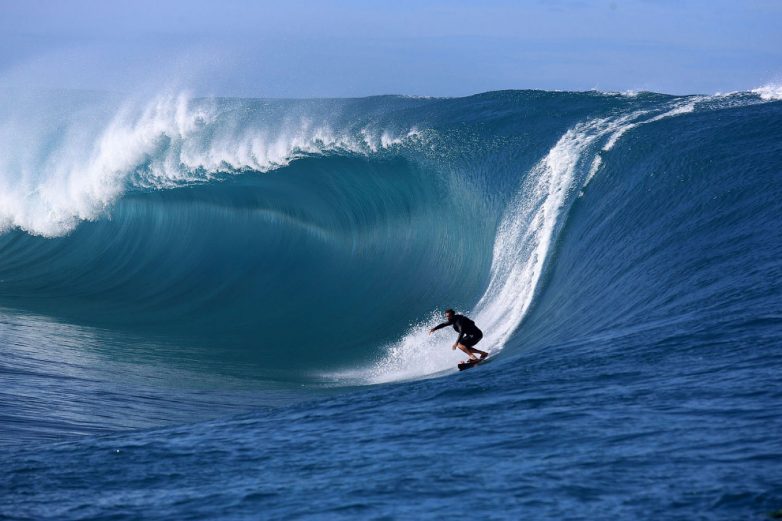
533	220
52	177
770	92
529	227
59	169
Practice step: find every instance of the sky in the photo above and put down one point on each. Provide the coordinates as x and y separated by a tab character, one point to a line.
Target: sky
358	48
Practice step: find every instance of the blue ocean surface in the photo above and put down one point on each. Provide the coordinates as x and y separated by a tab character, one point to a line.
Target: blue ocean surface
217	308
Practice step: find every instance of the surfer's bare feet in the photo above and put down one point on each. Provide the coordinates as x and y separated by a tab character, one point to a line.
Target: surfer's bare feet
484	355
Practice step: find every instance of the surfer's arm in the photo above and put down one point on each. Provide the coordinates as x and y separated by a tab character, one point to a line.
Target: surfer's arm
439	326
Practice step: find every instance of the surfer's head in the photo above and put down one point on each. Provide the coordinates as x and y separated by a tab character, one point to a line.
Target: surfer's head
449	313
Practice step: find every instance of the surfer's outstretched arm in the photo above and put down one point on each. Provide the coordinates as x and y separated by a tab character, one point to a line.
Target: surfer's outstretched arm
439	326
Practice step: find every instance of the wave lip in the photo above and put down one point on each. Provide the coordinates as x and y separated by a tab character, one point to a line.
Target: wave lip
58	169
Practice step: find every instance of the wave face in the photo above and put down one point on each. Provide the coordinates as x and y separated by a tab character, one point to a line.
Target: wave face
318	238
675	238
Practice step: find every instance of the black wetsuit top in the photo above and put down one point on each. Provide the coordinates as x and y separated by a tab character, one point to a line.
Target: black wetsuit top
464	326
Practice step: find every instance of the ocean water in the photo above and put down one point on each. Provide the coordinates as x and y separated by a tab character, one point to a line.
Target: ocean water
218	308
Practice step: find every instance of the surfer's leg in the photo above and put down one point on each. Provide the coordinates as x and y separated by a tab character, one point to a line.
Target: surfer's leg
468	343
483	354
467	350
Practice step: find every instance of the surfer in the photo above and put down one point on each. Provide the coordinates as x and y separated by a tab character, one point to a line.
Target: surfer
469	334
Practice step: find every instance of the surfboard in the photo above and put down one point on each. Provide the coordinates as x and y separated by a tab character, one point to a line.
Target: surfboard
466	365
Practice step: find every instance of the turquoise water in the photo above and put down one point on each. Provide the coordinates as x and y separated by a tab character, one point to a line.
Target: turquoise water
218	307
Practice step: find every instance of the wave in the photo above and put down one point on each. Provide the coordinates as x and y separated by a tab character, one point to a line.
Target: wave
370	215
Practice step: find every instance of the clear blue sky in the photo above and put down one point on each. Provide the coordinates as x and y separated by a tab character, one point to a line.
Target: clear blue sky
426	47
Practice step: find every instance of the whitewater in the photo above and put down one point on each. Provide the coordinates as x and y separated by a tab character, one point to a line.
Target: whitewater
219	307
